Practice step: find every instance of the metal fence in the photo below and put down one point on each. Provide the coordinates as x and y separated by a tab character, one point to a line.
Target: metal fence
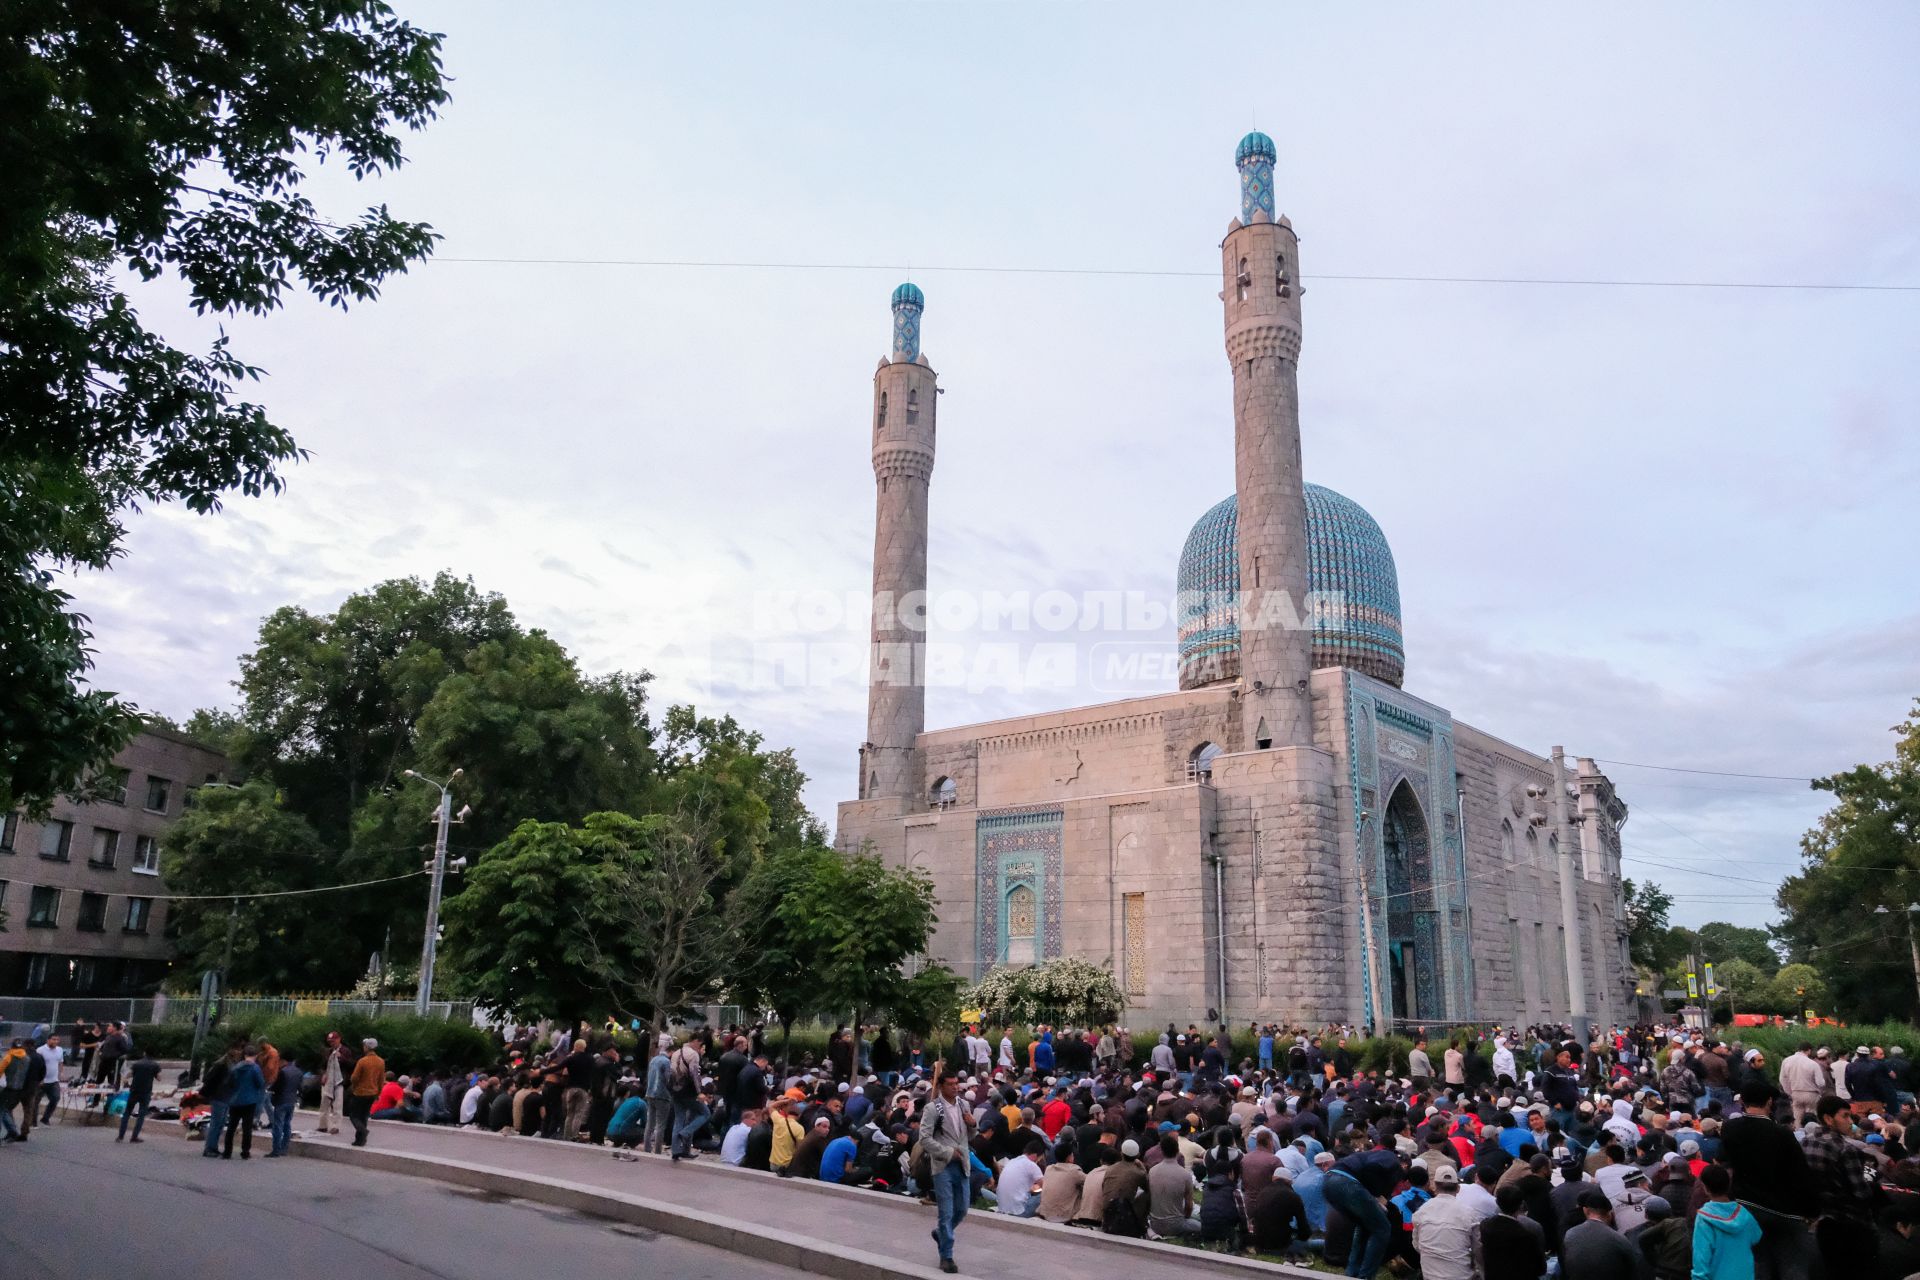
64	1012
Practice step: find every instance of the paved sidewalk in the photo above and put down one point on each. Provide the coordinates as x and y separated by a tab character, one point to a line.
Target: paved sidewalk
821	1218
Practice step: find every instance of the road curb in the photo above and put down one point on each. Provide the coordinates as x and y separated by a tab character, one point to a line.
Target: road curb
802	1253
588	1198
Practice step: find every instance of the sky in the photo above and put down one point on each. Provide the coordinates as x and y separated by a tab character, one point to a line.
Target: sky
1660	526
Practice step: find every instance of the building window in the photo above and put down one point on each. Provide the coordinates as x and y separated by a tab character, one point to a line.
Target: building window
106	847
1200	762
36	973
85	975
56	840
146	855
9	832
43	908
139	910
159	791
93	913
3	904
943	794
113	785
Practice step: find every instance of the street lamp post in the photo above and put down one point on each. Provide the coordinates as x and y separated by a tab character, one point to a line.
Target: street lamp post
424	998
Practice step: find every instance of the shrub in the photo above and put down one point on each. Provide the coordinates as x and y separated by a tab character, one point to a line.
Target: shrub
407	1043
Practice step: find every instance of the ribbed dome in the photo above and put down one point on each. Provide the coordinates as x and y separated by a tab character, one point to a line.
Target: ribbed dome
909	295
1348	563
1255	144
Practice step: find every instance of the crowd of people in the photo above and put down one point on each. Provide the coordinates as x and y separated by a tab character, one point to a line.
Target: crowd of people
1654	1151
1644	1152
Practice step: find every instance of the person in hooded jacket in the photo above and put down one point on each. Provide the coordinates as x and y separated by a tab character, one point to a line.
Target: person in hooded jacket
1724	1232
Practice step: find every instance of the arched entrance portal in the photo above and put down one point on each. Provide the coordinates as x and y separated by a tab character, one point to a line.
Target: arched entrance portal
1413	925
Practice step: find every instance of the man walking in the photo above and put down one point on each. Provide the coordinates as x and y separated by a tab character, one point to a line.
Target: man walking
53	1056
683	1084
943	1136
113	1051
363	1086
140	1078
284	1098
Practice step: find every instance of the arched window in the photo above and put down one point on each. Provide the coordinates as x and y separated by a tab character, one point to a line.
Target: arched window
1506	843
1200	762
1242	282
943	793
1281	284
881	423
1533	848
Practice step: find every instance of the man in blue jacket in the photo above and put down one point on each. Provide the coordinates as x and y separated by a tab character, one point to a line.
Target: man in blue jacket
247	1089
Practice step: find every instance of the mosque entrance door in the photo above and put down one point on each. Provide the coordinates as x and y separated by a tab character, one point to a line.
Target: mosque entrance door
1413	943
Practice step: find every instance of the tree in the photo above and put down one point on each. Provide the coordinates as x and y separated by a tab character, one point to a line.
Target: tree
1648	932
513	936
830	931
1065	990
244	840
1864	853
1720	943
1796	989
1743	986
654	926
161	140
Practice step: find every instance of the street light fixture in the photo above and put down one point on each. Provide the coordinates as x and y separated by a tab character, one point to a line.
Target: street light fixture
424	997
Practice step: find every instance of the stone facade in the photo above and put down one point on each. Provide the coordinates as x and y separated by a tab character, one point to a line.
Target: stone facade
1274	841
83	891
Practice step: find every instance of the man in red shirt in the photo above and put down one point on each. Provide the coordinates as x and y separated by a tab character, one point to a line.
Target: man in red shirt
1056	1115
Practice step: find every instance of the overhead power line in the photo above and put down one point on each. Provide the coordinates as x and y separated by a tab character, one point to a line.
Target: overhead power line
226	897
695	264
1711	773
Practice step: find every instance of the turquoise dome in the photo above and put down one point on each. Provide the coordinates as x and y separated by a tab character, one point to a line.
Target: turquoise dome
1255	144
909	295
1348	563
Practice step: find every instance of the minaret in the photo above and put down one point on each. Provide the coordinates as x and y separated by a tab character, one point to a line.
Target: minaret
904	396
1260	266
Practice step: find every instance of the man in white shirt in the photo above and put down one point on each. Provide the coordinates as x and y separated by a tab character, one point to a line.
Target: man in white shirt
1018	1191
1476	1198
470	1103
53	1055
1800	1080
1006	1050
978	1054
1443	1230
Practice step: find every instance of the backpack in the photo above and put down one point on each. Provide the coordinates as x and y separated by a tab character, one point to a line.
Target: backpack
1121	1217
680	1080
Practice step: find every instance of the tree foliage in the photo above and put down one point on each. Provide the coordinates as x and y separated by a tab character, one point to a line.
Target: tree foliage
1649	943
1066	991
826	931
244	840
154	141
1864	853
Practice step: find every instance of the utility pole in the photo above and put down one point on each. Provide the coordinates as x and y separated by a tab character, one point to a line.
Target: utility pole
1570	904
438	866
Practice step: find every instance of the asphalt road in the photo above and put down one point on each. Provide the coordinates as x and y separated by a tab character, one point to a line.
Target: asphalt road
76	1205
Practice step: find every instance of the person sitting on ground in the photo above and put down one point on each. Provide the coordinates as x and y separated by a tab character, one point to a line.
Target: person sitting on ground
1170	1189
1019	1187
1060	1196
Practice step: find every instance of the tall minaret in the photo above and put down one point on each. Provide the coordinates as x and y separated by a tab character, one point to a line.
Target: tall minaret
904	396
1260	266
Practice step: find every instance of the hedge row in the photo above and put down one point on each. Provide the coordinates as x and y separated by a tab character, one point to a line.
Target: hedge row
407	1043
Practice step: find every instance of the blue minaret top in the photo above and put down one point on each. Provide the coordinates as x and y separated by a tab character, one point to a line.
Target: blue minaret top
1254	158
907	304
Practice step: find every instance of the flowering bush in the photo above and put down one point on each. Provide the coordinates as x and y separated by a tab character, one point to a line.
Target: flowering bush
1067	991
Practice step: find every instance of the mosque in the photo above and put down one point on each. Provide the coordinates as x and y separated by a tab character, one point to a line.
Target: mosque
1289	835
